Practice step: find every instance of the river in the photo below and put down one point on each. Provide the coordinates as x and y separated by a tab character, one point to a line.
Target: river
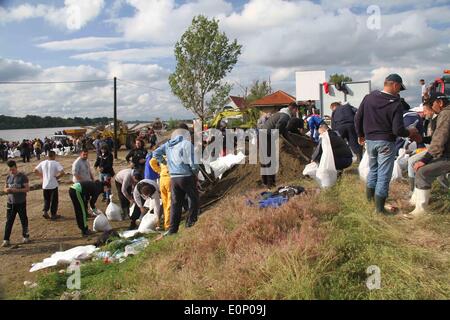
20	134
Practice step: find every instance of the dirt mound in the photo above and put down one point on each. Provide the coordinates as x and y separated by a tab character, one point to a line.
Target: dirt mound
246	177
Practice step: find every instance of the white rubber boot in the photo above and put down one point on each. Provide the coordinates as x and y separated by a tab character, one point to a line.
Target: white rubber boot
412	201
422	200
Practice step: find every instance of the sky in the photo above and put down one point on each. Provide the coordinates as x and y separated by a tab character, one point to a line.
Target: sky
65	40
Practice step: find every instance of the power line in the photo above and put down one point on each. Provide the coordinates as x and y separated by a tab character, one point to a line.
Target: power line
53	82
139	85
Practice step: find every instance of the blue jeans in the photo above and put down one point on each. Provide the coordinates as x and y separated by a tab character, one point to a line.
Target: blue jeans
105	177
382	157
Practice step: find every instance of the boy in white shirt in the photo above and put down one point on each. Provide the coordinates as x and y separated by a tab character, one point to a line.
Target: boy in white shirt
50	171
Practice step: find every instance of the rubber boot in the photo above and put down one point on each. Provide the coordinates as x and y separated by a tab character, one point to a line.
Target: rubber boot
379	204
422	200
370	194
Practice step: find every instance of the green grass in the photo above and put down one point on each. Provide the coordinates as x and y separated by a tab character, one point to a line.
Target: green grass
316	247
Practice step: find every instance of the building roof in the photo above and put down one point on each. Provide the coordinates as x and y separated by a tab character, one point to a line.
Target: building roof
279	98
238	101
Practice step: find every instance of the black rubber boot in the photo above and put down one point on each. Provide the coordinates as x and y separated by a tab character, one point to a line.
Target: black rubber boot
379	204
370	194
412	184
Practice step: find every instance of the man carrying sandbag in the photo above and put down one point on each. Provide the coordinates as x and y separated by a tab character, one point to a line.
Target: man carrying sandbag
378	122
143	191
82	193
125	181
342	154
183	170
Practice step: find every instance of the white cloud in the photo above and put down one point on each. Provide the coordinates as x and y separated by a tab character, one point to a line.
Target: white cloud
74	15
163	21
123	55
14	70
80	44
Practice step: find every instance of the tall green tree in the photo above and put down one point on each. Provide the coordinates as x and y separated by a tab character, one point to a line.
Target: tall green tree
338	78
204	56
219	98
258	90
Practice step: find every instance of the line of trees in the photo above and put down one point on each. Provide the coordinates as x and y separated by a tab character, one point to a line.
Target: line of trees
34	122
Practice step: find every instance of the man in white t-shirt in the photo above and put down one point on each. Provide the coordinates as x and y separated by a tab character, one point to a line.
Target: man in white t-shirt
50	171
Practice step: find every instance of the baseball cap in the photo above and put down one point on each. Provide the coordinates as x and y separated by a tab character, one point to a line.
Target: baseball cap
396	78
436	96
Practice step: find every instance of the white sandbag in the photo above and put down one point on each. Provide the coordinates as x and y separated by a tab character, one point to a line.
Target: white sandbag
223	164
128	234
364	167
113	211
402	159
326	173
65	257
148	223
397	172
101	223
311	169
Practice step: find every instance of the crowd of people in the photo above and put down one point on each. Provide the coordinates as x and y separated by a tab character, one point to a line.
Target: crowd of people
162	172
382	125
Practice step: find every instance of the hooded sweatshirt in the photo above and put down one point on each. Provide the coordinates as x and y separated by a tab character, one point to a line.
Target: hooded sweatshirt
380	117
180	157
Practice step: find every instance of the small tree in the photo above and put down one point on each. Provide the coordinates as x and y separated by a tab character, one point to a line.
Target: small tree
338	78
204	57
259	90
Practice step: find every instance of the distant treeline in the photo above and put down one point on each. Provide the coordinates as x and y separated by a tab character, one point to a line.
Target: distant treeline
33	122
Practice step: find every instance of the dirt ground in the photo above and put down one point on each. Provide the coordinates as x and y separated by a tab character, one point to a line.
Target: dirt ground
47	236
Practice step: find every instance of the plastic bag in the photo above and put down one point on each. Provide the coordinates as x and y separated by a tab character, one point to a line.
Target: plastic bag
113	211
137	246
101	223
148	223
364	167
402	159
132	209
397	172
326	174
311	169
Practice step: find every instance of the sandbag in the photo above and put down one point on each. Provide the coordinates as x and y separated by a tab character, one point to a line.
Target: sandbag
101	223
326	174
311	169
113	211
397	172
223	164
364	167
148	223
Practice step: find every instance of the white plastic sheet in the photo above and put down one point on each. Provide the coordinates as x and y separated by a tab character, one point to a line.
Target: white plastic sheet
326	173
310	170
65	257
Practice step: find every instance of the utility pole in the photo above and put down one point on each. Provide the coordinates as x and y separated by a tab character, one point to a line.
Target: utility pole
116	142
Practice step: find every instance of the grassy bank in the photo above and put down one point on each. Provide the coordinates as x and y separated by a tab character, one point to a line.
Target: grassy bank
317	246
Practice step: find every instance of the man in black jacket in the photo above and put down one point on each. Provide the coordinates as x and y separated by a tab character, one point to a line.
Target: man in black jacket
343	122
342	154
379	121
104	164
137	156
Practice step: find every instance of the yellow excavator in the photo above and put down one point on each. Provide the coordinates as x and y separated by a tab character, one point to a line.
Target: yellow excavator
236	119
125	136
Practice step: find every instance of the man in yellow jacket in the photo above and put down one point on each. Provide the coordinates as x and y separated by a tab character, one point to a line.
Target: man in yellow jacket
164	187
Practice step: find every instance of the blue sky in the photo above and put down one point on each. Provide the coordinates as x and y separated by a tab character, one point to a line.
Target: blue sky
134	39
